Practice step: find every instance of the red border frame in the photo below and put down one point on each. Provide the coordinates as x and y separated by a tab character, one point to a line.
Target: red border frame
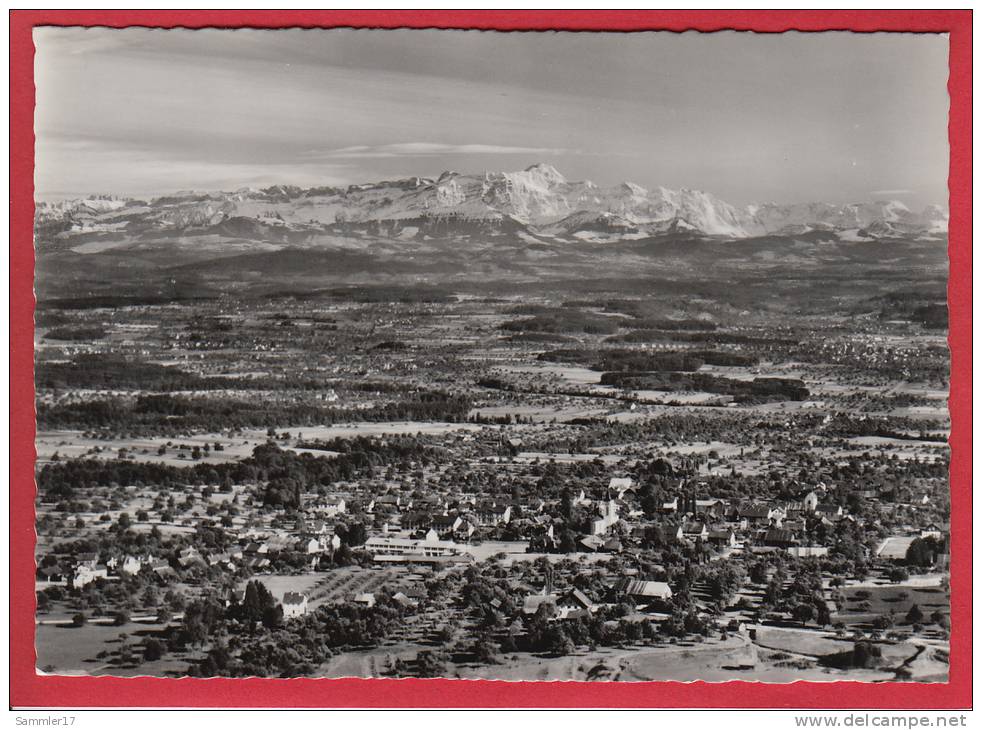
27	689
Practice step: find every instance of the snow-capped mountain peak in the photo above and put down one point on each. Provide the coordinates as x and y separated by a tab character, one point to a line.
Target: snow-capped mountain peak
539	198
546	174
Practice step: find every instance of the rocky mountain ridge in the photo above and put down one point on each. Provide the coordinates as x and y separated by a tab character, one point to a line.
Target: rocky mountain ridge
538	202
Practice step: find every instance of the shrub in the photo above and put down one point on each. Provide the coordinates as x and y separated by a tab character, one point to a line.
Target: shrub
915	615
430	664
865	654
153	650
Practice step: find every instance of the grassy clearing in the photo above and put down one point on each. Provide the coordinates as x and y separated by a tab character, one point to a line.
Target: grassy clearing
70	650
864	604
805	642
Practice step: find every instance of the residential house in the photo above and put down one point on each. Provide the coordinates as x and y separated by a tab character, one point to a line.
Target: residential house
403	600
829	511
431	503
797	526
131	565
591	543
531	605
294	604
416	521
388	501
446	525
576	599
620	485
188	557
235	595
722	538
279	543
757	514
315	528
464	531
493	514
644	591
333	506
162	571
714	509
535	504
222	560
543	535
694	530
89	560
85	574
777	537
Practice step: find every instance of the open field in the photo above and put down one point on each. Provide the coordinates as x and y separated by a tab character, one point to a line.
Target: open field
865	604
73	444
69	650
714	661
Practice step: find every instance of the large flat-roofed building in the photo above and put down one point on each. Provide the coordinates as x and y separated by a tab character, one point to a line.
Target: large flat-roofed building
405	546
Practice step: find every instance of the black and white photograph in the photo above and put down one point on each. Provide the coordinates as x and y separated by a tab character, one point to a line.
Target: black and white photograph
591	356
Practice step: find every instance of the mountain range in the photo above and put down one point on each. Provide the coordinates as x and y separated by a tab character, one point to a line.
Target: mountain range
538	205
494	230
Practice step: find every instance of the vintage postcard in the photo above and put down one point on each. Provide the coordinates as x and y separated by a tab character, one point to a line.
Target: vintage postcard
529	356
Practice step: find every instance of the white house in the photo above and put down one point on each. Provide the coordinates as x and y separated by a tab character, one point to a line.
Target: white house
620	485
333	506
84	574
493	514
294	604
130	565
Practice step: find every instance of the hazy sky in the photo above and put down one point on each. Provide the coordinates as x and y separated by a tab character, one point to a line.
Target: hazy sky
790	117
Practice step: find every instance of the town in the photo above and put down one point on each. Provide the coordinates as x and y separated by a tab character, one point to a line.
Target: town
586	482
